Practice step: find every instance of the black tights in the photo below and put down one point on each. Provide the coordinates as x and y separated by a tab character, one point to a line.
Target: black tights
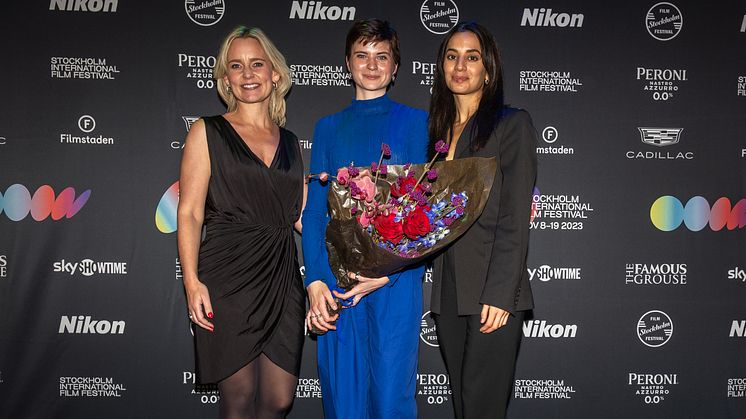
259	390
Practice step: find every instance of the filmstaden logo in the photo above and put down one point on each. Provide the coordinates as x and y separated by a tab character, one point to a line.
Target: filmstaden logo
84	5
315	10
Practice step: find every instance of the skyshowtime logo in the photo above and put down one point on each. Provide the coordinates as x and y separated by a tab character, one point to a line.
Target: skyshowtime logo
17	203
667	213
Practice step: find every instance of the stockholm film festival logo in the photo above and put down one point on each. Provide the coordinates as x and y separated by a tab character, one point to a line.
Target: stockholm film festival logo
439	16
558	212
543	388
16	203
205	12
659	137
82	68
428	331
654	329
664	21
97	387
667	213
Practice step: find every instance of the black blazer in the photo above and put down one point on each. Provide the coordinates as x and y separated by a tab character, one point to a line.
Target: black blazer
490	258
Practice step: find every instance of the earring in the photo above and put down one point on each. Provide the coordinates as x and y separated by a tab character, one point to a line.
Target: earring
228	88
486	80
274	85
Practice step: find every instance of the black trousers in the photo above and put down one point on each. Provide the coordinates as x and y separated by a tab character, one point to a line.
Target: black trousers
481	366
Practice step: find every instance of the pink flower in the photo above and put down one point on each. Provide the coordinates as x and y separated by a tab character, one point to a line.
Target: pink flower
367	188
363	219
343	176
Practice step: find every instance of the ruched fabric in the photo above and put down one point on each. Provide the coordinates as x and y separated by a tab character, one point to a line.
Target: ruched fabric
248	258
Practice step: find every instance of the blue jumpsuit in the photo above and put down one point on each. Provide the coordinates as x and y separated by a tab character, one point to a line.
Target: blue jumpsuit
368	367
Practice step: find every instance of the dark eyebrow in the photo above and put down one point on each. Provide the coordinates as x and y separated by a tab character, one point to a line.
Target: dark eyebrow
468	50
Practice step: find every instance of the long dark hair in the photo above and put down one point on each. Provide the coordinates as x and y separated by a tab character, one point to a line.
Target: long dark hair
443	104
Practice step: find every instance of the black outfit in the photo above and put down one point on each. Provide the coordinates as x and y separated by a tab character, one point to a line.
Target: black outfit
248	257
487	265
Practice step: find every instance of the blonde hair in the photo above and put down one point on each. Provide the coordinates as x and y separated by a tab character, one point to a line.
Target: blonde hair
277	97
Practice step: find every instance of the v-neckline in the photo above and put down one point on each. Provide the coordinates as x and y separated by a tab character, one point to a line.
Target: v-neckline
459	145
248	148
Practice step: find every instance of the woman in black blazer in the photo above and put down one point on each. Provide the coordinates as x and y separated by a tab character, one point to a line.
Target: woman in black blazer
480	283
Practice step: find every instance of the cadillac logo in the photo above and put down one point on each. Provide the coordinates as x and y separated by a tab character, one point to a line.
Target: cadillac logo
660	137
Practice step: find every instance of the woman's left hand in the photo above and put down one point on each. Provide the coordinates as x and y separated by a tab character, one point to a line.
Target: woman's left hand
364	287
492	318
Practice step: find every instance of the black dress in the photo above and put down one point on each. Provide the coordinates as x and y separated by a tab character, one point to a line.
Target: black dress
248	258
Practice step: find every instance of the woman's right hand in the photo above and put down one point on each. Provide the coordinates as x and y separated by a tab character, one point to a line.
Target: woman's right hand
198	303
318	316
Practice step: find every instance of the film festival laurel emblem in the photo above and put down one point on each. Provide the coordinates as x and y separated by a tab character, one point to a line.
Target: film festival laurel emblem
654	328
660	137
664	21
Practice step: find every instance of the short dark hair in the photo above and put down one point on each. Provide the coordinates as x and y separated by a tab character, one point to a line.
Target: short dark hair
370	31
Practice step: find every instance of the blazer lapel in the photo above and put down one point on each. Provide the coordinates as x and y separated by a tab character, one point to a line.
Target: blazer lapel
464	141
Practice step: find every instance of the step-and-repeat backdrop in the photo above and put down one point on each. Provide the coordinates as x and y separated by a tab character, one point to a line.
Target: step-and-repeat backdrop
638	242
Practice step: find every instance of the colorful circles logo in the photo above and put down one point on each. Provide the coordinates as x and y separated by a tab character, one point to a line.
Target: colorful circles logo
17	203
165	213
667	213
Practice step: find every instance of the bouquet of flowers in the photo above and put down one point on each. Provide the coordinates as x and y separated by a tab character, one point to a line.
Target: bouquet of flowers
385	218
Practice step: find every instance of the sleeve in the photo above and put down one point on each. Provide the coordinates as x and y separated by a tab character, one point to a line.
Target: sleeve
416	154
517	150
315	215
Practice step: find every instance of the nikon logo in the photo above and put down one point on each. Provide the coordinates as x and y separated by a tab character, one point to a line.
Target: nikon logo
315	10
542	329
84	5
738	329
545	17
84	325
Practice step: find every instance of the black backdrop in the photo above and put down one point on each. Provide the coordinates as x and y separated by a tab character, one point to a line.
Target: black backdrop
640	300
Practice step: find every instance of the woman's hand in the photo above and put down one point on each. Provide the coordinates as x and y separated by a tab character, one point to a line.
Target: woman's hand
364	287
198	302
318	316
492	318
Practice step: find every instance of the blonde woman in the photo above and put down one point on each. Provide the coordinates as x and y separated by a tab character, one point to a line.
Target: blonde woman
242	179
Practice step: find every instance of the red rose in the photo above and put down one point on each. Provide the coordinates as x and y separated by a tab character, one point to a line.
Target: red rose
389	229
402	186
416	224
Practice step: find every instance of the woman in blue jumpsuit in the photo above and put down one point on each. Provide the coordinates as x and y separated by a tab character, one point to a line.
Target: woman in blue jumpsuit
367	361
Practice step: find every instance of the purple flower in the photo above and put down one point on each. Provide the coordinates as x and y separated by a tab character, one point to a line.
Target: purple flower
383	169
354	171
460	210
353	210
426	187
448	221
373	167
354	189
457	201
385	150
441	147
432	174
407	166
